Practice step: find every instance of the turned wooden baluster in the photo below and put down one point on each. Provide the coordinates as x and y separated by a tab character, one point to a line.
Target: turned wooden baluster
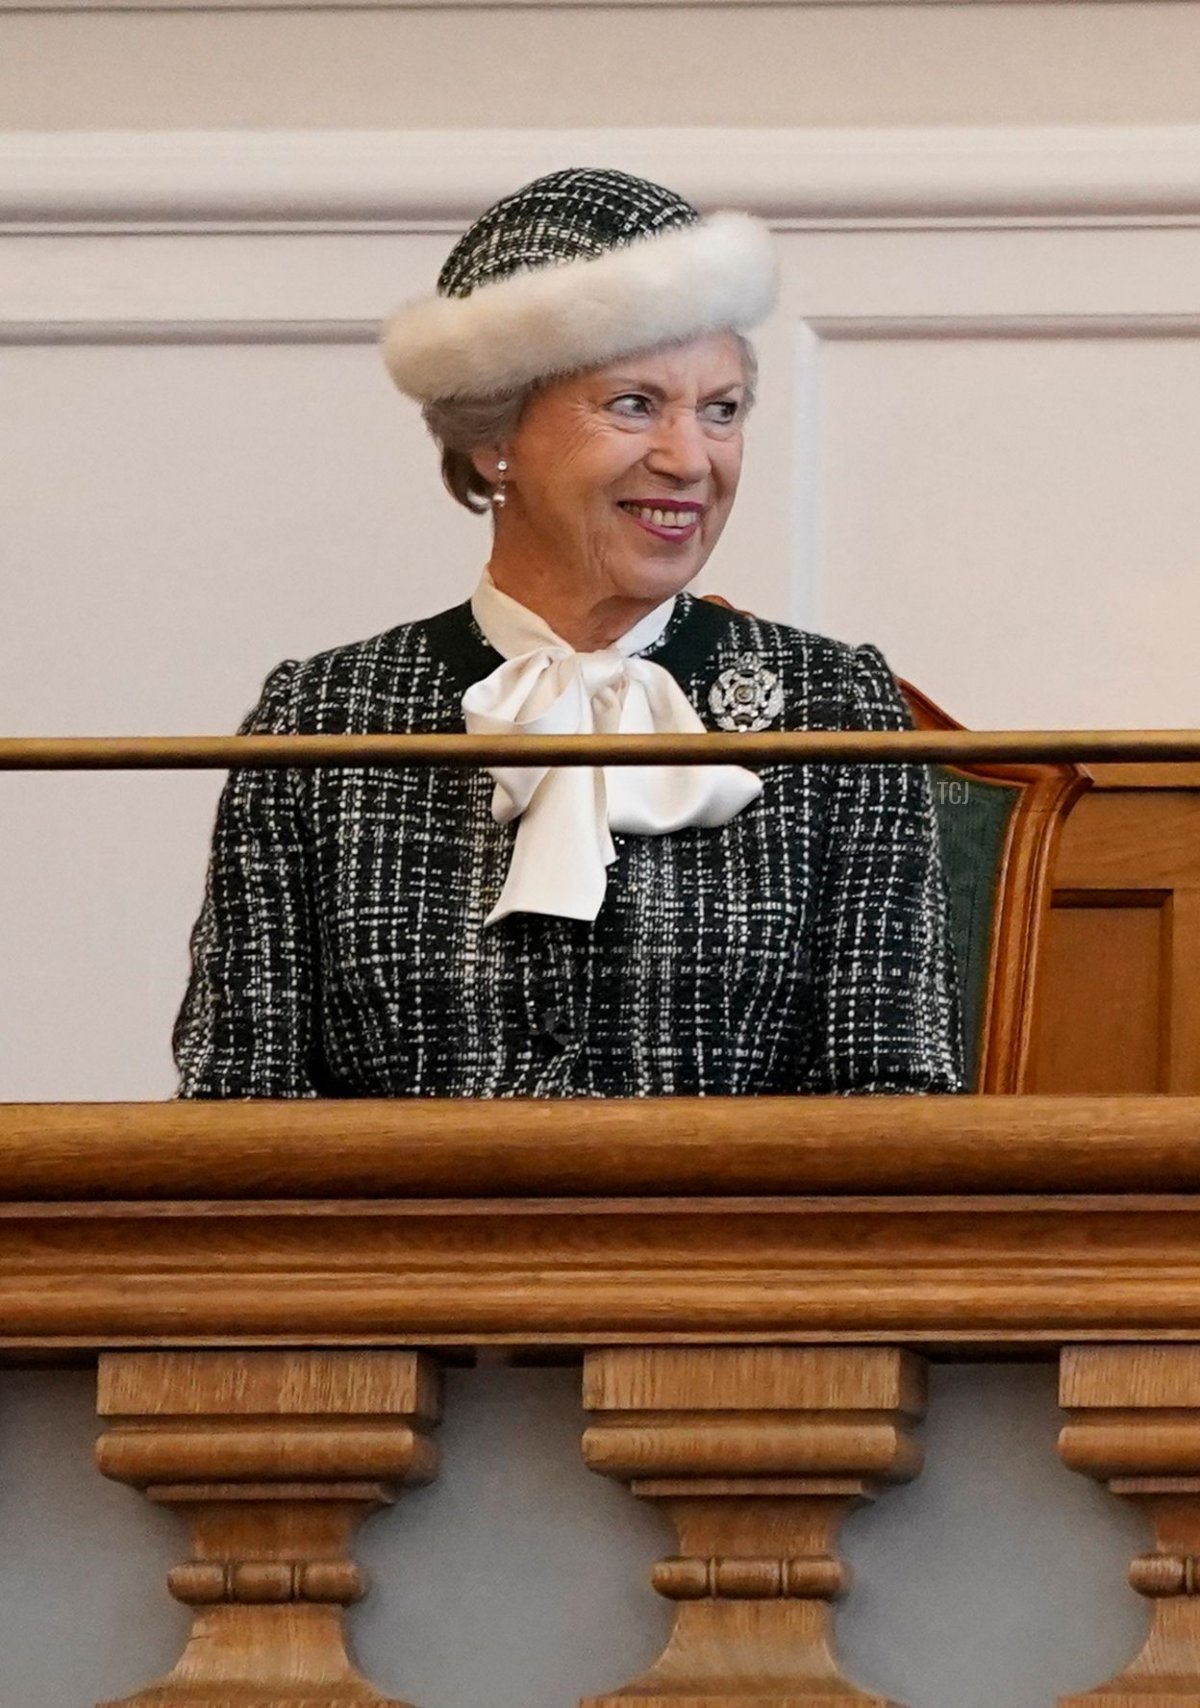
1135	1425
757	1454
273	1458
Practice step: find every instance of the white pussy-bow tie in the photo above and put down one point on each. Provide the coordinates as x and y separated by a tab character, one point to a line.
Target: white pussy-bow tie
564	841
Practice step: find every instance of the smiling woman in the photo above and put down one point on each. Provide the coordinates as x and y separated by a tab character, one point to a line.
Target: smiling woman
630	931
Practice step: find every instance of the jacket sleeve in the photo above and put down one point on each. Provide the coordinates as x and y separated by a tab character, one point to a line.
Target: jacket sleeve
887	1015
246	1027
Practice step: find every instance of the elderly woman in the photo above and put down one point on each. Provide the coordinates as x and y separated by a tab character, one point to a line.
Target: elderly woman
627	932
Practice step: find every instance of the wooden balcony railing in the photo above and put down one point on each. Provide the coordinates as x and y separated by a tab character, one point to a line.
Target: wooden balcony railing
752	1287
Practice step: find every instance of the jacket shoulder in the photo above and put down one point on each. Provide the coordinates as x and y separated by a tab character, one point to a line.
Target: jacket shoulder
350	660
393	680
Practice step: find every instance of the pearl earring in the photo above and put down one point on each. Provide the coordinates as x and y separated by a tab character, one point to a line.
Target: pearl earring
499	495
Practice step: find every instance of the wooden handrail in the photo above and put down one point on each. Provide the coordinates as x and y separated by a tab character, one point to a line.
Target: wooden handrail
568	1148
930	1221
207	752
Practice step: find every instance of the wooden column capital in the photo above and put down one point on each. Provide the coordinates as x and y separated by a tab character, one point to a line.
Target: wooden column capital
273	1458
756	1453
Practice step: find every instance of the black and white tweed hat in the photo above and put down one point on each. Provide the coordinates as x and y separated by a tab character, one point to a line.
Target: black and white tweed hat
570	272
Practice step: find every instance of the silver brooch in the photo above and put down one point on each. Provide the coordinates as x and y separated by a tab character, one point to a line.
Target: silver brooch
746	696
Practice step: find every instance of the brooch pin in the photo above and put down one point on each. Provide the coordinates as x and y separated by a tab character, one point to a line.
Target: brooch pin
747	696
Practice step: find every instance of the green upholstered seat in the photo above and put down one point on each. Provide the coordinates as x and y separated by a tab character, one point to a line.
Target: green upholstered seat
973	817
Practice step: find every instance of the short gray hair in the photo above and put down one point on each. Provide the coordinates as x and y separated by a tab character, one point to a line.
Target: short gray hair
462	425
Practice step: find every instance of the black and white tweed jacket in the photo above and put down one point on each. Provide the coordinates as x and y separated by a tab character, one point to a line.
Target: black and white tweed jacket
341	950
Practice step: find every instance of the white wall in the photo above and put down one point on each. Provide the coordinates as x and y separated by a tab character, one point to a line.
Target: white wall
654	63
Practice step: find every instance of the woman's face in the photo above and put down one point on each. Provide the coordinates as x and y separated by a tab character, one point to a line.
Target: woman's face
623	476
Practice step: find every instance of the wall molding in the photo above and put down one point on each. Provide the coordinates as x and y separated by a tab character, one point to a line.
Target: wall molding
195	331
888	328
825	329
74	6
411	180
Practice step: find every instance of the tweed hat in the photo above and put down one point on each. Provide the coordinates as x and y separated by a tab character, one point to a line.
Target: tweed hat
570	272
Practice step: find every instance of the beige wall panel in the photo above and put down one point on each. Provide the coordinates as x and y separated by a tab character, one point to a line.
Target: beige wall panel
735	65
189	517
1014	520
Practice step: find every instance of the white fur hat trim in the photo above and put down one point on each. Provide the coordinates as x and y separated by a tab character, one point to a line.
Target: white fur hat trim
719	275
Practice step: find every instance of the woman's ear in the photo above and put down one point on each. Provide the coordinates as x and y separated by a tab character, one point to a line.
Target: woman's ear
486	462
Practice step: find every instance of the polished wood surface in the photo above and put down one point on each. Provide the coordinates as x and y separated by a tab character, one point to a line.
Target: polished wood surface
767	747
1119	1002
1115	776
273	1459
945	1223
756	1454
538	1147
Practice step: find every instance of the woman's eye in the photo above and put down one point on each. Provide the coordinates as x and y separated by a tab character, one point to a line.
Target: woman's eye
631	403
723	411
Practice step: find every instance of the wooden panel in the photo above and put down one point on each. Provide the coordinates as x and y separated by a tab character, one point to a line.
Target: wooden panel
1183	981
1100	999
1119	991
1178	776
1132	838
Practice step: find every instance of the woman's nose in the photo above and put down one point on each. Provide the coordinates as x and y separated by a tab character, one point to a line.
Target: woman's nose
679	448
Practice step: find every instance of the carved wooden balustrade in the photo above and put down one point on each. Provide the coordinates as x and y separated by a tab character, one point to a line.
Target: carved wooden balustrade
752	1287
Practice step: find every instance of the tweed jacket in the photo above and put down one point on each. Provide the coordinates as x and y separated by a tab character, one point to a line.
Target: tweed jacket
341	949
